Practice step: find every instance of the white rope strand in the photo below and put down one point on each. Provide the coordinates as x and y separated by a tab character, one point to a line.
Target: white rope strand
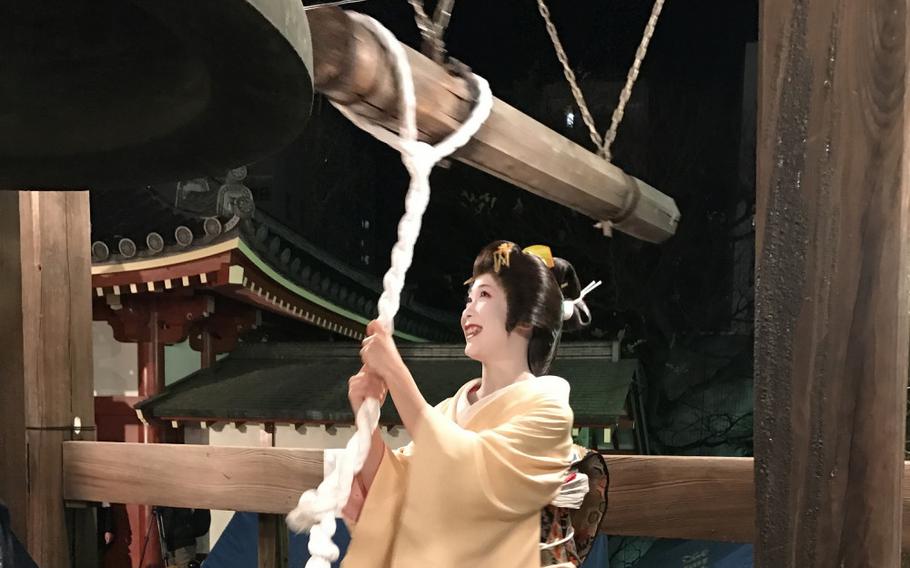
317	509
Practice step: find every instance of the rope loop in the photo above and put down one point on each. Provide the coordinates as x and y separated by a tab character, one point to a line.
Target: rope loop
317	508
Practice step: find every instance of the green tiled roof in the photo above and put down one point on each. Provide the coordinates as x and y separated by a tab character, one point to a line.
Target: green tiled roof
307	383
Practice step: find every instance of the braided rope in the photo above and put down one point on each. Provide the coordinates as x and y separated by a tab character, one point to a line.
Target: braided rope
433	30
570	77
605	143
316	510
626	93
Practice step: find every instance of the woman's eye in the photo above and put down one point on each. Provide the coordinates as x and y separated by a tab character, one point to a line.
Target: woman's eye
484	294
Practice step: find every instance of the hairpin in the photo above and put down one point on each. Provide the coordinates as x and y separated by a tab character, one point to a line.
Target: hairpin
501	256
568	306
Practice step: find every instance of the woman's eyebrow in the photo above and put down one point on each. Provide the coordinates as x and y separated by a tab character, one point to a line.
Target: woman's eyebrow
476	287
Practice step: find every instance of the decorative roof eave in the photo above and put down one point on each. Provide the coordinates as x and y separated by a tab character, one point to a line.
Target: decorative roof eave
232	268
191	268
203	223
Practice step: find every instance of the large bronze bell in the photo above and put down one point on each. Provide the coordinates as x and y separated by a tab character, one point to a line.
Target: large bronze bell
99	92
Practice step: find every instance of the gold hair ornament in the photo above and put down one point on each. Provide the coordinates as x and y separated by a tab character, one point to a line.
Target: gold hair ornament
542	252
501	256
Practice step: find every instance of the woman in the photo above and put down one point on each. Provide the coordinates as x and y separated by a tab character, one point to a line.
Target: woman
469	489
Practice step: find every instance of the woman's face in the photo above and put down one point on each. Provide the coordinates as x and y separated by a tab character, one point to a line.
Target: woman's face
483	320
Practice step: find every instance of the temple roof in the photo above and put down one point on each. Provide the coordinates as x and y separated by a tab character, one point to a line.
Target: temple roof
307	383
218	241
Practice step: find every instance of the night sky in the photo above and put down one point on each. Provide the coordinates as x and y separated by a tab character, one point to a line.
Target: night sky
689	131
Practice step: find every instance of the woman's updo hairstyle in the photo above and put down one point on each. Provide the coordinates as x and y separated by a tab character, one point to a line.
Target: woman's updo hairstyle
534	297
571	290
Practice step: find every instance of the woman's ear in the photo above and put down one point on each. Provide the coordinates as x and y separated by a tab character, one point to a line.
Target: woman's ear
524	329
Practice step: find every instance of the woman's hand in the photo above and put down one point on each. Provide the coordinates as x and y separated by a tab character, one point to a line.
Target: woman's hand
379	353
365	385
380	356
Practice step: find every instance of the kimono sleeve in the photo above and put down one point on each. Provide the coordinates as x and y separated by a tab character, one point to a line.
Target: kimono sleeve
383	499
509	471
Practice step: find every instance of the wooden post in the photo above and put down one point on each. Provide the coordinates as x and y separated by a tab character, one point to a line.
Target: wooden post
510	145
207	354
45	363
150	355
272	547
831	336
269	555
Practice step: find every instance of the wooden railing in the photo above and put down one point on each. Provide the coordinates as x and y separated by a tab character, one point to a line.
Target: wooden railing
704	498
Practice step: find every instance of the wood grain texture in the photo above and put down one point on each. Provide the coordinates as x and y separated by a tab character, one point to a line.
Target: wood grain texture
56	298
831	336
47	537
681	497
271	527
272	541
45	358
661	496
13	452
267	545
263	480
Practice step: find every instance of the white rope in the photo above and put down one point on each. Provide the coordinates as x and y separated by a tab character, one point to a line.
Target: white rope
570	534
317	509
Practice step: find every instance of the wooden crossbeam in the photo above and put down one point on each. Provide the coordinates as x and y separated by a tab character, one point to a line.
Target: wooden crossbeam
702	498
262	480
510	144
681	497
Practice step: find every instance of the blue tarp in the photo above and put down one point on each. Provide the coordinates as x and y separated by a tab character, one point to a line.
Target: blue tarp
696	554
599	556
238	547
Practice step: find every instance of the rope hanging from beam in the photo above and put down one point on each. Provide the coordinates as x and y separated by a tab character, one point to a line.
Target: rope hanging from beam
433	31
605	142
317	509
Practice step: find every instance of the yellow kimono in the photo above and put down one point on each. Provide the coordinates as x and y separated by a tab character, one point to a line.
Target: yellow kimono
468	491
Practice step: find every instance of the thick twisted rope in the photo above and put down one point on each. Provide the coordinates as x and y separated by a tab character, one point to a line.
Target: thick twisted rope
317	509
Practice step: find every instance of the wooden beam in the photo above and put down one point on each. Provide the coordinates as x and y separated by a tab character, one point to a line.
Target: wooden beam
661	496
147	318
262	480
681	497
510	145
832	292
45	362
